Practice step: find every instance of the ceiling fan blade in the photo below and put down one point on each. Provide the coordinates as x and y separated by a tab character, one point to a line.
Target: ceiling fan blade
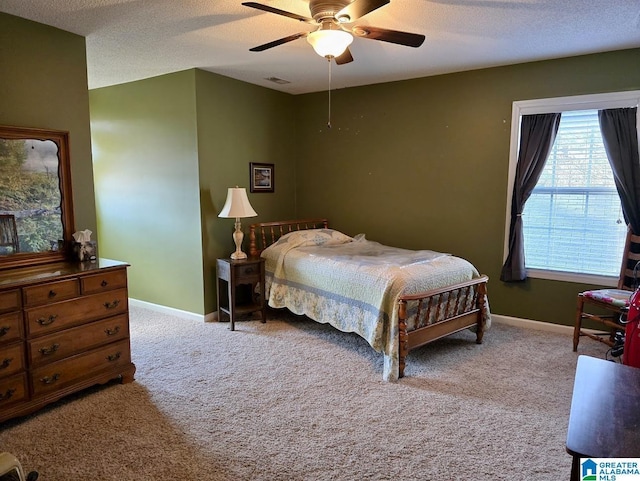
392	36
277	11
358	8
344	58
280	41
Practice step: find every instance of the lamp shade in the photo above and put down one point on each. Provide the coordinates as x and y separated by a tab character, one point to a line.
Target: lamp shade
237	204
329	43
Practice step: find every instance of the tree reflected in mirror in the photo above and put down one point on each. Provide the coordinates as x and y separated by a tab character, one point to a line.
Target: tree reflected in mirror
35	196
29	190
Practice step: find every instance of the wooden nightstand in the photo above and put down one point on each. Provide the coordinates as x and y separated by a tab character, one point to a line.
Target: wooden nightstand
236	288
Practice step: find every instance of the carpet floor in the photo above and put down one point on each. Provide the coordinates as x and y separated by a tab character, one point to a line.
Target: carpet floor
295	400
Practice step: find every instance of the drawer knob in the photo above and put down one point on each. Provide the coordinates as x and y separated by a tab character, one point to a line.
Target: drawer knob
52	293
50	379
248	270
46	351
49	320
4	330
112	332
114	357
104	283
7	395
112	305
6	362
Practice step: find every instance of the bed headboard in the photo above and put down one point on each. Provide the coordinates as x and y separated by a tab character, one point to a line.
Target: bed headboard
263	234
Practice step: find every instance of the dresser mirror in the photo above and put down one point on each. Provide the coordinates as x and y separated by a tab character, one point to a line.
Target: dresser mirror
36	206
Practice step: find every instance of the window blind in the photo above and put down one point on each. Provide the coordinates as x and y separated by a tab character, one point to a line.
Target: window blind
573	220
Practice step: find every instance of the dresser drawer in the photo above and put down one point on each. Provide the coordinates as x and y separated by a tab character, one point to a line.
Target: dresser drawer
53	317
77	339
104	281
11	359
10	300
63	373
10	327
13	389
51	292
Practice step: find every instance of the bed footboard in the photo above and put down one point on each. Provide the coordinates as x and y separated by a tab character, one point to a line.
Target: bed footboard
440	312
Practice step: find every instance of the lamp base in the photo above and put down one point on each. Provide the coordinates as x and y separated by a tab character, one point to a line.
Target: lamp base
238	235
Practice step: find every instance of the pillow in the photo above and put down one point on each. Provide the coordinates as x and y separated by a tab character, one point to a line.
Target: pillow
313	237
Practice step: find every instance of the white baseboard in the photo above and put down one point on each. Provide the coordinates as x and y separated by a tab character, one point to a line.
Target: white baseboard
174	312
500	319
530	324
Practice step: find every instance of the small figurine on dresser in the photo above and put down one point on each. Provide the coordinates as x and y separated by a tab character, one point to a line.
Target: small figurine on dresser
84	248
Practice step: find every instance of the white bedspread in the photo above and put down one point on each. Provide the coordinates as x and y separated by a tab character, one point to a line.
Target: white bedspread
354	285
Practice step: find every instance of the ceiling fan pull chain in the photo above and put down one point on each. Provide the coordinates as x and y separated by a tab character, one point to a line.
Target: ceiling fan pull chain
329	118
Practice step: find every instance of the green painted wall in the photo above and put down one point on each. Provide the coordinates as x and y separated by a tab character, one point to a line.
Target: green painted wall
43	83
424	163
239	123
165	151
419	164
146	174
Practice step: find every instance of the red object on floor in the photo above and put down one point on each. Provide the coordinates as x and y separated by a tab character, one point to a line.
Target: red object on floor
631	352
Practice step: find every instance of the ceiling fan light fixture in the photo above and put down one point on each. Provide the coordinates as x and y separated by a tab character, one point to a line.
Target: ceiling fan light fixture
330	43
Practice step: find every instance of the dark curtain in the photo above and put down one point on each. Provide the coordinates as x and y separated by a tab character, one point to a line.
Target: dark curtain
537	134
620	137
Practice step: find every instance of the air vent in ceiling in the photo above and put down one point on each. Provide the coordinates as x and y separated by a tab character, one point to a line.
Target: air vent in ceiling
277	80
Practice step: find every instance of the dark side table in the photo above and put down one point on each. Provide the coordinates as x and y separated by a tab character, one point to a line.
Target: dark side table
604	421
236	283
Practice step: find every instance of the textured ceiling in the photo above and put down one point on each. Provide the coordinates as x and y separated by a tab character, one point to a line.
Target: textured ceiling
134	39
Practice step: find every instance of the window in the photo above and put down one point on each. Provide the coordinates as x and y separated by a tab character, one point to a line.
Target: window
573	220
573	224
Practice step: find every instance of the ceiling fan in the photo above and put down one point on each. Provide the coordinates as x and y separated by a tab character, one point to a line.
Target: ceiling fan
332	37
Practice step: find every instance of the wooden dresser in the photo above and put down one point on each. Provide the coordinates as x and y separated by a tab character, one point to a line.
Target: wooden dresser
63	327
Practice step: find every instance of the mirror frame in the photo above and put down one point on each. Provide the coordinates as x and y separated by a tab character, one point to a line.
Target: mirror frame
61	138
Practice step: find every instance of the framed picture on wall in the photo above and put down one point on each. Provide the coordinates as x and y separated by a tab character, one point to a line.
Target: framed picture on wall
262	177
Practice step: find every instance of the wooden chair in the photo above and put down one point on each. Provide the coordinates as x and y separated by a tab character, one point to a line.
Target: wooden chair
610	304
9	232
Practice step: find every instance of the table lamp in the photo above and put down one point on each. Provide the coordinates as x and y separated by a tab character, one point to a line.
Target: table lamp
238	206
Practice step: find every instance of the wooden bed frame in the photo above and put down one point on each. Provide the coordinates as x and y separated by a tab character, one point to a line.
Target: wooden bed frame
438	312
264	234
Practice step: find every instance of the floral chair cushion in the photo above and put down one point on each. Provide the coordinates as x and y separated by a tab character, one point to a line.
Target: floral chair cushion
615	297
